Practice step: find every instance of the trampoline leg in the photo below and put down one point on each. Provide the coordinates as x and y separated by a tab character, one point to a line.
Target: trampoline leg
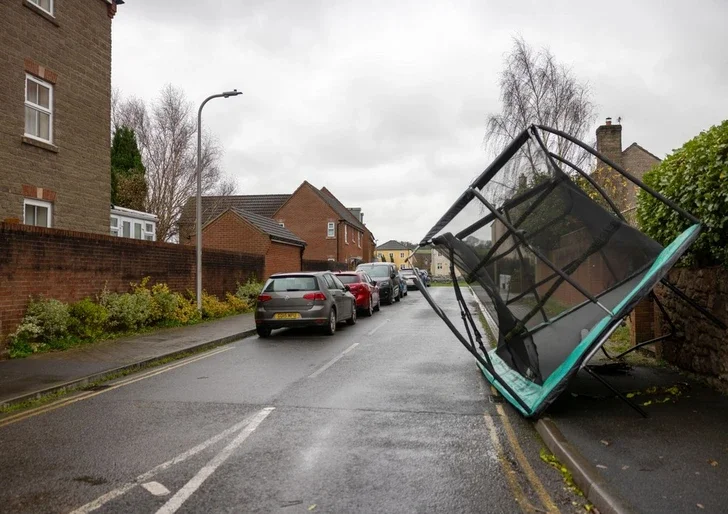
617	392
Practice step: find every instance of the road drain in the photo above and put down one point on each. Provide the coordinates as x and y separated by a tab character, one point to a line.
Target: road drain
495	399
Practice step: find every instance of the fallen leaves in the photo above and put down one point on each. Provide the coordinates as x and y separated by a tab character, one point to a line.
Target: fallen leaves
713	463
605	442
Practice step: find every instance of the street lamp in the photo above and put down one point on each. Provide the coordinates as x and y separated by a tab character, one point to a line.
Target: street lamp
224	94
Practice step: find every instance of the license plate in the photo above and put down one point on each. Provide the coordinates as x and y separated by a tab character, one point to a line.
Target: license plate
286	315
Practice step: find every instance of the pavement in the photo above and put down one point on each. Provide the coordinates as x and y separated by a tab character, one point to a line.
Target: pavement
388	415
23	379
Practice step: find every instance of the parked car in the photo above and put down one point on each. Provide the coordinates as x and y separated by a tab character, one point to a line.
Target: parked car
385	273
304	299
364	289
403	284
424	276
409	276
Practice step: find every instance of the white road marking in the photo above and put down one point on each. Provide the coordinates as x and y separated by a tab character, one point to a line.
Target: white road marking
371	332
190	487
102	500
156	488
332	361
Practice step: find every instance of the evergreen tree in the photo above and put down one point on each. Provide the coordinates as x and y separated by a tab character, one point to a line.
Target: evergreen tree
128	181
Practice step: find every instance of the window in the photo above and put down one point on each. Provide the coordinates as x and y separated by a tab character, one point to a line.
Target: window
37	213
137	230
114	226
338	284
149	231
401	255
45	5
329	282
38	109
359	239
331	229
439	265
346	235
126	229
282	224
391	257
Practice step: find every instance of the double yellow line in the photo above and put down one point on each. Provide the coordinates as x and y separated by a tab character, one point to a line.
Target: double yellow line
85	395
523	464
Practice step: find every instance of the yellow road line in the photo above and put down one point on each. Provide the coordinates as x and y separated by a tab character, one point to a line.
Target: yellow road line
531	475
90	394
510	473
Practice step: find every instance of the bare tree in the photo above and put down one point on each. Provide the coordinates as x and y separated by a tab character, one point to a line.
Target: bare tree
166	133
536	89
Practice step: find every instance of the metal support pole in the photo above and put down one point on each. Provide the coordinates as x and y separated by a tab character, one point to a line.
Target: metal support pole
198	219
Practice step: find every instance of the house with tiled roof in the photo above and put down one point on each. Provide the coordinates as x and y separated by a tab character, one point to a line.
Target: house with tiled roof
243	231
396	252
332	231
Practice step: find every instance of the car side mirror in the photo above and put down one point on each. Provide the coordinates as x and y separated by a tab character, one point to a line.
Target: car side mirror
392	275
374	282
347	288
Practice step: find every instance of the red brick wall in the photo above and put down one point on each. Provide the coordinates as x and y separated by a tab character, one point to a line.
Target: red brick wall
73	52
306	215
282	258
70	266
231	232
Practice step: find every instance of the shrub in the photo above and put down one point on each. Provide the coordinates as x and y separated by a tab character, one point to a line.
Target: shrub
249	292
186	310
44	321
236	303
88	319
212	307
127	311
696	178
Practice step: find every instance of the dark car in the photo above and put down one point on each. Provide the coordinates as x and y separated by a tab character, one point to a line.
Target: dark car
304	299
385	273
364	289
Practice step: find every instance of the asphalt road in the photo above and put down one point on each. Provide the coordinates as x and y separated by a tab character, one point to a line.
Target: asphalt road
390	415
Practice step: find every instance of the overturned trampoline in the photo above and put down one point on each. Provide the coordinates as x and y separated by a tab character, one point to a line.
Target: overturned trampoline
553	261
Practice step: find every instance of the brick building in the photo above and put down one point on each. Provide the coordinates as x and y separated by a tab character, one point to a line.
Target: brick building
55	89
245	232
331	231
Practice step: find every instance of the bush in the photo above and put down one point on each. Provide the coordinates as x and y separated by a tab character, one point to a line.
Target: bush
162	301
127	311
88	319
212	307
44	321
186	311
236	303
249	291
696	178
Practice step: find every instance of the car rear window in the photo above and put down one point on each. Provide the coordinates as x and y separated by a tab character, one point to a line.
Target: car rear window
287	284
349	279
408	272
377	271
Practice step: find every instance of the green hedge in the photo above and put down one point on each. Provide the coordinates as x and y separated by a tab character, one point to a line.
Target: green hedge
50	324
696	178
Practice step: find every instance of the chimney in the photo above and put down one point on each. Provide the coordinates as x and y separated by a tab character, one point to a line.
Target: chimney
356	211
609	143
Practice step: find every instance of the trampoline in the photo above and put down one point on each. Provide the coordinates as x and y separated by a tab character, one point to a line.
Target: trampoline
555	265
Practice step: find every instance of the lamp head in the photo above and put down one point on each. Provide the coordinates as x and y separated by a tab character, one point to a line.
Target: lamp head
234	92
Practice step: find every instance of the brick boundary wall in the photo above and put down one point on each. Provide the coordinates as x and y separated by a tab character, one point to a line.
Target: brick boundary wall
311	265
70	266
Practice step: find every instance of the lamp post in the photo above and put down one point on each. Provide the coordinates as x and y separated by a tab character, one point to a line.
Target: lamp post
225	94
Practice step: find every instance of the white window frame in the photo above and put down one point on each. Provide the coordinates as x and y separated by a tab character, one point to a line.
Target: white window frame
149	235
39	203
331	229
346	235
439	265
37	4
282	224
401	255
40	108
114	230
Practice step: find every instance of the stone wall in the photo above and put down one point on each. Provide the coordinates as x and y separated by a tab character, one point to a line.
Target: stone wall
704	350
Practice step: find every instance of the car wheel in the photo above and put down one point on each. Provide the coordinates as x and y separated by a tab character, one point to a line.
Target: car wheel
370	308
378	305
331	327
398	297
352	320
263	331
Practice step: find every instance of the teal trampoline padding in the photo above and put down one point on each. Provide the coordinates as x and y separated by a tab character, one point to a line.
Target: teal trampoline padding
533	394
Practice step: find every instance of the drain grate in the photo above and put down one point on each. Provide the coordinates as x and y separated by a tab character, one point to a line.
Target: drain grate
495	399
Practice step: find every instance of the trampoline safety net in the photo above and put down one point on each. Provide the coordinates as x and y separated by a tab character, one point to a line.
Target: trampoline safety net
552	259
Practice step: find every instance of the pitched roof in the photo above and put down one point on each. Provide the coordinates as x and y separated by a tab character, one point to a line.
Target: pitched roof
340	209
394	245
269	226
635	145
213	206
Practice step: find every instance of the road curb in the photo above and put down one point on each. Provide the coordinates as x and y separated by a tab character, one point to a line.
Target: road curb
586	476
89	379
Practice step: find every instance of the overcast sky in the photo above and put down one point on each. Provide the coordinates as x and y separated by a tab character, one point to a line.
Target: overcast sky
384	103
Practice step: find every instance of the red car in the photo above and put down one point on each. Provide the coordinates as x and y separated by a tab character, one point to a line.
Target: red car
364	289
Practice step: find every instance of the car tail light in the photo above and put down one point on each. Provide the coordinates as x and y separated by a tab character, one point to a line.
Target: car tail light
264	298
314	296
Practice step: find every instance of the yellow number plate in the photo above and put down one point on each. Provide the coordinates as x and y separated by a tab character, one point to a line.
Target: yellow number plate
286	315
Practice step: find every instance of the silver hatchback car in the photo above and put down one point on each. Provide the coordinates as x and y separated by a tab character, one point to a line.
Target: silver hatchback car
304	299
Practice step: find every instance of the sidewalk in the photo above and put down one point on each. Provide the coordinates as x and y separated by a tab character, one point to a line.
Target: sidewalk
22	379
676	460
